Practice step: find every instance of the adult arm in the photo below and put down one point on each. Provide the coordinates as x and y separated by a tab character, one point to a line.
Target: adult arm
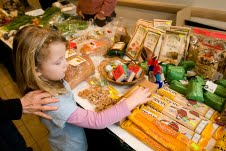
30	103
10	109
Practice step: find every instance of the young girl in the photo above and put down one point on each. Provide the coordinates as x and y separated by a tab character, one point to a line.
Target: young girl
41	64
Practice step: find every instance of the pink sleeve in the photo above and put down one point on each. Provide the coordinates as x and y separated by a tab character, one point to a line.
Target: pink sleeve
108	7
99	120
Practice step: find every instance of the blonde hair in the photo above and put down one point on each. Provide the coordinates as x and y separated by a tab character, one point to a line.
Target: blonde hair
30	48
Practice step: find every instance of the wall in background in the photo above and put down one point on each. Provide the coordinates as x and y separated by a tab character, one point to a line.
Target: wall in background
211	4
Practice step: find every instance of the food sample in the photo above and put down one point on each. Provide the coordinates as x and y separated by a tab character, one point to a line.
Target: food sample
98	96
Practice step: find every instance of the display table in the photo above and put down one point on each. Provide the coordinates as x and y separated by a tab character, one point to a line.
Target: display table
133	142
115	128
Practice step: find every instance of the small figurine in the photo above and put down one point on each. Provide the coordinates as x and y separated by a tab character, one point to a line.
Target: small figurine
155	71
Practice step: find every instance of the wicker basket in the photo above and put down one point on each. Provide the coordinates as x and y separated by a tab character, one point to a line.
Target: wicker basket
103	73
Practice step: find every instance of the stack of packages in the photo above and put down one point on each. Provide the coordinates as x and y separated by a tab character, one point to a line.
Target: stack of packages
175	123
158	38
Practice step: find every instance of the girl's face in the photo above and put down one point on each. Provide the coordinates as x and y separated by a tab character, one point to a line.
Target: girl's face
54	66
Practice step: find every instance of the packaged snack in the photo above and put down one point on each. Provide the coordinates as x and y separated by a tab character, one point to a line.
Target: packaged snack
221	82
162	24
138	133
162	133
77	69
186	117
99	96
207	63
221	144
194	91
199	107
222	119
200	140
118	49
179	87
96	47
220	91
214	101
188	65
151	43
172	48
175	73
145	23
187	31
182	115
136	43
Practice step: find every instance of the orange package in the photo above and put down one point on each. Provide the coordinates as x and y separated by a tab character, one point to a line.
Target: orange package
207	143
162	133
221	144
186	117
138	133
95	47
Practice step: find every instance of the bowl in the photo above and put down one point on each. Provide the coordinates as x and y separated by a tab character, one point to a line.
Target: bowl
104	73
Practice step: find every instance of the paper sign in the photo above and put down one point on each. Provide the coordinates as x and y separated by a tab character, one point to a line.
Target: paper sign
210	86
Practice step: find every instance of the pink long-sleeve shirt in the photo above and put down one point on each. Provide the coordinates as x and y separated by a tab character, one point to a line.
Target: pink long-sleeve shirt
92	7
99	120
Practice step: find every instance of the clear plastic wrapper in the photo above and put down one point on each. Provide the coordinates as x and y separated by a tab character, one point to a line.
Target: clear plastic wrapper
194	91
207	63
79	69
96	47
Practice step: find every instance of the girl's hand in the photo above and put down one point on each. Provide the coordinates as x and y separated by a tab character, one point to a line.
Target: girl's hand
32	103
140	96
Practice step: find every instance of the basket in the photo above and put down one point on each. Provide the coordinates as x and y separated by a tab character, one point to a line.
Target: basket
103	73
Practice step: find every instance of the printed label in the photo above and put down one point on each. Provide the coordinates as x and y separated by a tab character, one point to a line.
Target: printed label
209	113
210	86
201	127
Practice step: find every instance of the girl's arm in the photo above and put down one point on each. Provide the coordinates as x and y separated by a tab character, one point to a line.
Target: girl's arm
100	120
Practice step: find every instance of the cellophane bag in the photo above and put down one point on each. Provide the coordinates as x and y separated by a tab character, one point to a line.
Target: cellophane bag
79	69
195	90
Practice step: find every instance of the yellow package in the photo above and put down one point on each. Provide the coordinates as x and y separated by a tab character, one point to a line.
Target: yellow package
175	111
206	143
186	117
138	133
199	107
221	144
162	133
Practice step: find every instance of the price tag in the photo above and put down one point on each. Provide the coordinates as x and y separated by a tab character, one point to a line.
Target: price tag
210	86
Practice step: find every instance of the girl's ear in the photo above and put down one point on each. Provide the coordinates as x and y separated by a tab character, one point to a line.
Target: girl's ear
37	71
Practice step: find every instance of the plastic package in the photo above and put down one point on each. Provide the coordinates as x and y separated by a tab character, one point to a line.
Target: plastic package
214	101
200	140
199	107
221	144
96	47
137	132
189	118
162	133
222	82
179	87
207	63
175	73
194	91
78	70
